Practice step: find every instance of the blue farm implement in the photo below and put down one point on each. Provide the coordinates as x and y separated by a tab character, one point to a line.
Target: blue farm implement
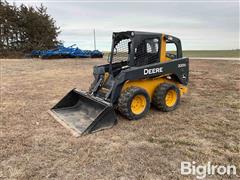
66	52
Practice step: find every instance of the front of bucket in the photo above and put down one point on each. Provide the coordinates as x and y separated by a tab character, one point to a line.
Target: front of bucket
83	114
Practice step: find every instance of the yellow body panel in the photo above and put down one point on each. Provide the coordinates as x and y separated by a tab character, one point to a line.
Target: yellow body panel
106	75
150	84
163	57
163	51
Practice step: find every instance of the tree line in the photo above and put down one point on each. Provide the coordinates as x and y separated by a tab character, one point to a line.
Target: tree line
25	28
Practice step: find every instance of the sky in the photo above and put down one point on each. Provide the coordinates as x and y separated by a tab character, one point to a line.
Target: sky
201	25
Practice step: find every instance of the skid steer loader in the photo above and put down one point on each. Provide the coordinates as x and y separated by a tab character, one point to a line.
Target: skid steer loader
139	72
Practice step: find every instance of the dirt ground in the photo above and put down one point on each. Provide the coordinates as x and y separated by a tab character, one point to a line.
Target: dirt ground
205	127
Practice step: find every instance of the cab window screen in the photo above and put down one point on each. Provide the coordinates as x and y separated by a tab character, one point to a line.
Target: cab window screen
147	52
152	45
121	50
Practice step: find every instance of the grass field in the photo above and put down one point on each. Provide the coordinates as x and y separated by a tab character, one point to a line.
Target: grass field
212	53
205	127
206	53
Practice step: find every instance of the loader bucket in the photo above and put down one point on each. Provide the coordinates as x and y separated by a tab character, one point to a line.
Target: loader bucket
83	114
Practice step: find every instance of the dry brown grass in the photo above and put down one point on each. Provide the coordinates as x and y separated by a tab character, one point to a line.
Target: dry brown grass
206	126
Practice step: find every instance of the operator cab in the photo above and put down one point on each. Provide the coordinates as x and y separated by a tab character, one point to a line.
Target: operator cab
135	48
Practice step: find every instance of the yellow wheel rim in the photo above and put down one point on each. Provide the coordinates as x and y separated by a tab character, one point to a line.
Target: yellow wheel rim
171	98
138	104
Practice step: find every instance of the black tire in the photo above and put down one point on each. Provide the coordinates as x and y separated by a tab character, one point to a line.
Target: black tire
159	96
125	101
